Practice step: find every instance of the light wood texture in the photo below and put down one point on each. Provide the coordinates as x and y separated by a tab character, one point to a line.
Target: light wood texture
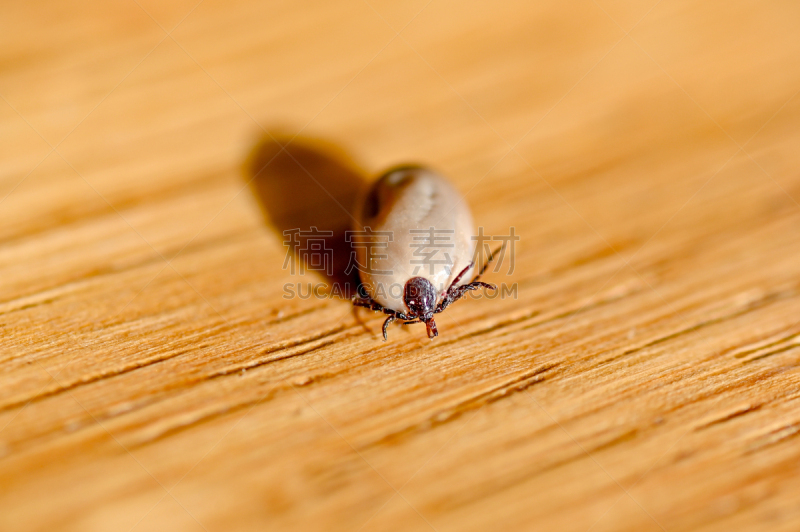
152	377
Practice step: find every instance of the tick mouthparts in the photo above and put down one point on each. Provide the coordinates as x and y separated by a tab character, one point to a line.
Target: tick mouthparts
432	332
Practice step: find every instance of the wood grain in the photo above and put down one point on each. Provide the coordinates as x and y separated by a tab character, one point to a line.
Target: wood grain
645	377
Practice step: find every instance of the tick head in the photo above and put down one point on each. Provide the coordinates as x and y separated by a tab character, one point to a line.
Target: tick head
420	298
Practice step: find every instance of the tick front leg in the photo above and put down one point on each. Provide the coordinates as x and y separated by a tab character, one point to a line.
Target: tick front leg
460	275
432	331
386	323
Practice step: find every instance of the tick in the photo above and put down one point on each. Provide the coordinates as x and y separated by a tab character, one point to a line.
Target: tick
415	247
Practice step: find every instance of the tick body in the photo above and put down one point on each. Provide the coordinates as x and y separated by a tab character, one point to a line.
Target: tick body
415	247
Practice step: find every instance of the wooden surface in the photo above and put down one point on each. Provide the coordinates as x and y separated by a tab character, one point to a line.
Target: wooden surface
152	377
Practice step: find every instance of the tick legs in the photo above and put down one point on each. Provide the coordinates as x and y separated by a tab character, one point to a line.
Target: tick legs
455	292
475	284
487	263
431	326
367	303
386	323
393	315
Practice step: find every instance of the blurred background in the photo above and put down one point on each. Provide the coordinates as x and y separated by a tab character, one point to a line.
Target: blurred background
142	99
144	185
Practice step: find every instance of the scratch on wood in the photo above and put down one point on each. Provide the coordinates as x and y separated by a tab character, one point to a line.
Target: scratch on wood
172	190
622	438
84	381
603	253
733	415
518	384
774	437
69	287
703	324
770	353
533	314
519	477
301	381
744	353
495	327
